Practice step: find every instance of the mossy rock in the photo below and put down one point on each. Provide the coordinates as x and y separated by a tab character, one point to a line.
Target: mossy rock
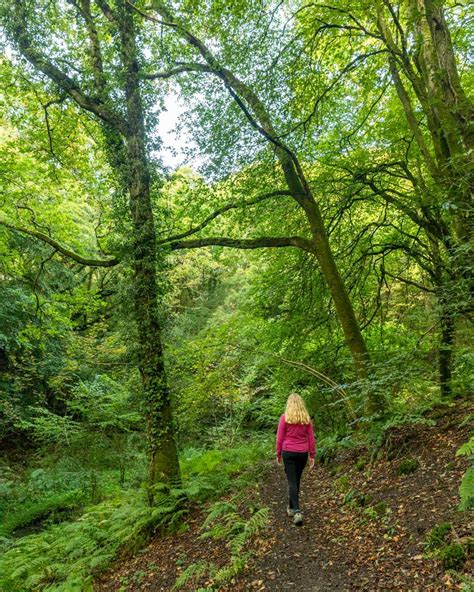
453	556
408	466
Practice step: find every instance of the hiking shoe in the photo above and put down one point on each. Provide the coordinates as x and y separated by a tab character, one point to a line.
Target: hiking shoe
290	511
298	518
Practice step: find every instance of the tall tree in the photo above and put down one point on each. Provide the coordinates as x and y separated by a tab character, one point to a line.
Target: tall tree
430	179
98	68
297	186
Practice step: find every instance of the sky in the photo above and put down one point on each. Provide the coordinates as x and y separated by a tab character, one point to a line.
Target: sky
172	149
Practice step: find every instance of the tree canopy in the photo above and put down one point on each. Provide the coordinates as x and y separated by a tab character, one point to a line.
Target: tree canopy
317	236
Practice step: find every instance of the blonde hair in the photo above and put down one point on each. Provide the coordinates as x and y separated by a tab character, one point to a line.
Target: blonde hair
296	411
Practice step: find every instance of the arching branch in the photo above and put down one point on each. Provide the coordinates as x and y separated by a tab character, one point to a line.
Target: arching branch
226	208
61	248
179	69
245	97
245	243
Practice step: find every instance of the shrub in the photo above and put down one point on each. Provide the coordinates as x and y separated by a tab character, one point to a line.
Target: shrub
217	470
437	535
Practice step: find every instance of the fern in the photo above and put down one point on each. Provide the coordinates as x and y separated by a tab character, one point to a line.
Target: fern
192	573
223	521
226	573
63	555
467	449
256	523
466	490
217	510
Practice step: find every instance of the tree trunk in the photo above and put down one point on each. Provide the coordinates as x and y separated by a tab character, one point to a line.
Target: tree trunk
163	461
301	192
254	110
126	139
446	353
446	319
430	67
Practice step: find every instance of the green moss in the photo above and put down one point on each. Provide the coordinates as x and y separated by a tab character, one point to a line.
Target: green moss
453	556
408	466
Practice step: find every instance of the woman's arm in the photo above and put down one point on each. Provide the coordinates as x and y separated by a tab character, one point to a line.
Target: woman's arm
311	441
280	436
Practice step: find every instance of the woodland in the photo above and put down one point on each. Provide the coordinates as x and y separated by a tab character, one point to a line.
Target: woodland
306	226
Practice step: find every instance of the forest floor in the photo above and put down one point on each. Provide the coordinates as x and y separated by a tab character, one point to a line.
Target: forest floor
364	528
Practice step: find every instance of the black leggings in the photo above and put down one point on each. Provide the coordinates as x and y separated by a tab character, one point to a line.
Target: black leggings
295	463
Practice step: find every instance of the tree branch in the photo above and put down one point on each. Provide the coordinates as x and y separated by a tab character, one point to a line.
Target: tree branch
348	68
191	67
411	119
65	82
245	97
106	9
226	208
84	8
253	243
62	249
410	282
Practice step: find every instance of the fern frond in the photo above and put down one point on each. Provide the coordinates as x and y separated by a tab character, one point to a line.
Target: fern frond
467	449
466	490
258	521
192	572
226	573
217	510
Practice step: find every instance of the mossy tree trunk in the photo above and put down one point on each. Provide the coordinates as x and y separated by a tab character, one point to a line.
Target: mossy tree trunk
163	460
126	138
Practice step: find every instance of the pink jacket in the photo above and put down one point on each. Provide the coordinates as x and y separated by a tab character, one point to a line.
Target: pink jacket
295	438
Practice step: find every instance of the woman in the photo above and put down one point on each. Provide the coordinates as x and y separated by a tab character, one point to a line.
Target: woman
295	439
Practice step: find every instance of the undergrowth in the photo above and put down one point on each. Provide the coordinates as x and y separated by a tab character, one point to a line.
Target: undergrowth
466	488
224	521
53	508
68	556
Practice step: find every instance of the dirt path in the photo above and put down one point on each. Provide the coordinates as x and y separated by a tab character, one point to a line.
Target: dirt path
344	546
363	531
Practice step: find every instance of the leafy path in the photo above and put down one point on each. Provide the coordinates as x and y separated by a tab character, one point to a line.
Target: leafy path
364	529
